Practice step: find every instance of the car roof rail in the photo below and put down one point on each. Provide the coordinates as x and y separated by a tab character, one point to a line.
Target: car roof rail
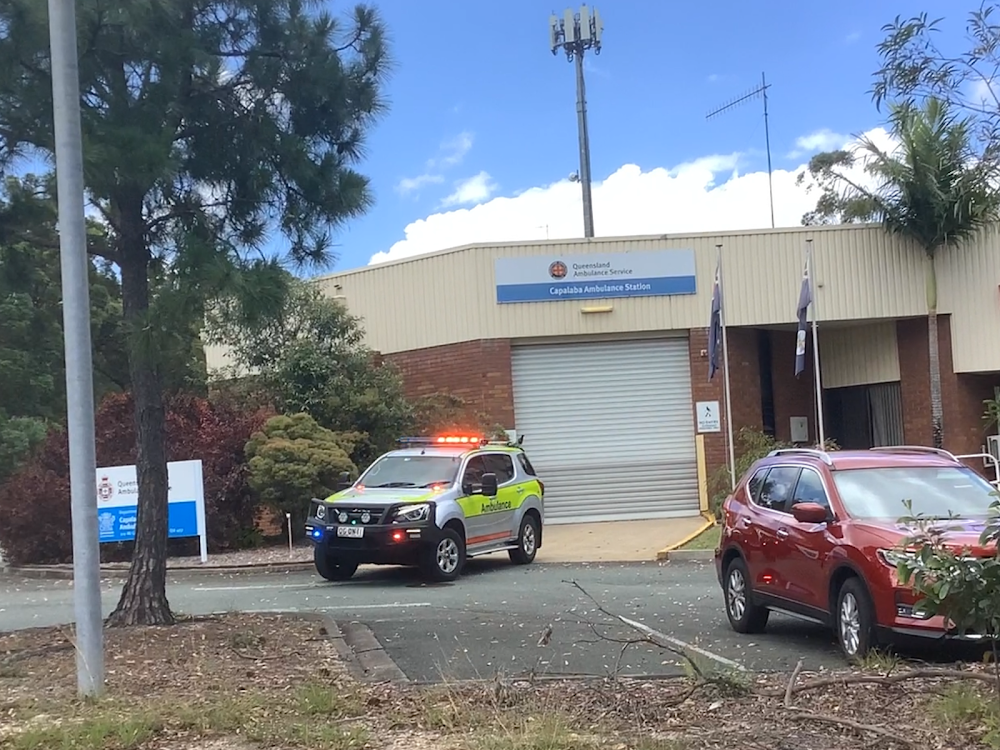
916	449
813	452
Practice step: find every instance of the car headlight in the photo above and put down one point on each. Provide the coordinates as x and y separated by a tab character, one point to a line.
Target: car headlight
412	513
893	557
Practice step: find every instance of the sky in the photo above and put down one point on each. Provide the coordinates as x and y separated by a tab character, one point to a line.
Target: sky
481	134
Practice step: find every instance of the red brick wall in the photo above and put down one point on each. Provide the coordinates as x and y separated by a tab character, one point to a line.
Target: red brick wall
478	372
793	397
962	395
744	387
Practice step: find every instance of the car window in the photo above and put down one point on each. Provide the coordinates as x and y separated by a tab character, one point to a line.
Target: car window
933	492
500	464
809	489
474	471
755	483
411	471
526	464
777	488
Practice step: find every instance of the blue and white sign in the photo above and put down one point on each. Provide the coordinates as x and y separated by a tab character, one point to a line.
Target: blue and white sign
640	273
118	503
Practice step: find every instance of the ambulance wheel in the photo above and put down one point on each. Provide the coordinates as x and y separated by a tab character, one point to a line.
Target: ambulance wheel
331	569
444	560
527	542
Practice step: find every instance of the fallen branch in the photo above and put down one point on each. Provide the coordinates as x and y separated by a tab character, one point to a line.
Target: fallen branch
894	679
803	715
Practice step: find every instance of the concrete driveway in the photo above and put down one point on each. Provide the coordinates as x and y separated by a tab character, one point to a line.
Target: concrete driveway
617	541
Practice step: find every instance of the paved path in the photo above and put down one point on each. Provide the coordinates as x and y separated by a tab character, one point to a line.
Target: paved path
489	621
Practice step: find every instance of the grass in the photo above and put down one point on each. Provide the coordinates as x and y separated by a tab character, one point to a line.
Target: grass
708	539
965	706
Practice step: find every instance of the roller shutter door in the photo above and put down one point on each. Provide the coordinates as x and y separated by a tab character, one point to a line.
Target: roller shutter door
609	428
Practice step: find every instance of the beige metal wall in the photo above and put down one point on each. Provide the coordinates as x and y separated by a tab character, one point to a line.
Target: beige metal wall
858	354
862	274
449	296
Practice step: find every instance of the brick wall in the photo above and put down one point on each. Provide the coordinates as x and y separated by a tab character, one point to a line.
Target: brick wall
478	372
744	387
793	397
962	395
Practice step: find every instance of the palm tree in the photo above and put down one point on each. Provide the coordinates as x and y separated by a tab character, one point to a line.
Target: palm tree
932	189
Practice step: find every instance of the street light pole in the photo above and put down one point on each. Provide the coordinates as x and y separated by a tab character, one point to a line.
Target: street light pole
79	357
575	33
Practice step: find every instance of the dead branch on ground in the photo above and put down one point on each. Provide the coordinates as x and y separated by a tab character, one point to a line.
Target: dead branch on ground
885	680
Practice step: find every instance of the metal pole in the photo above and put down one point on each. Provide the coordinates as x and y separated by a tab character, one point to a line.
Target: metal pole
76	334
767	140
581	112
725	368
821	429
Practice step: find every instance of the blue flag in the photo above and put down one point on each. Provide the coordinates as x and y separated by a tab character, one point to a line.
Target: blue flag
805	299
715	325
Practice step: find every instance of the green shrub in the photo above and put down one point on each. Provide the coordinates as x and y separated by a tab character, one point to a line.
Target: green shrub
293	459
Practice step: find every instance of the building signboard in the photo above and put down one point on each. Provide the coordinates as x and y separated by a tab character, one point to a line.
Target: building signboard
640	273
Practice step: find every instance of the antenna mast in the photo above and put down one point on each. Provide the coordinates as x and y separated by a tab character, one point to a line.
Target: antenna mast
760	91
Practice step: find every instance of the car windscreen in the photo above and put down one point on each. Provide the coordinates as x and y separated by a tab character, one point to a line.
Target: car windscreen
934	492
411	471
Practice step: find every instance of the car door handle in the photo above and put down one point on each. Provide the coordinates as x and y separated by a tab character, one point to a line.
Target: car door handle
520	490
747	522
782	533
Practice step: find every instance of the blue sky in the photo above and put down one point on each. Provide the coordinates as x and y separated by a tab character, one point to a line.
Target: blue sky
477	80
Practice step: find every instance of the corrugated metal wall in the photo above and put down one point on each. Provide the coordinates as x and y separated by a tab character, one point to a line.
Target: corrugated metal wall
447	297
858	354
862	274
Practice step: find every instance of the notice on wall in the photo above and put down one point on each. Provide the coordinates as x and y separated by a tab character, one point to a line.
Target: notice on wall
118	503
707	416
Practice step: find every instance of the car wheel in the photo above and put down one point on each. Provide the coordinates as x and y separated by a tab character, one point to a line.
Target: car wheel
330	568
855	620
527	542
445	560
744	615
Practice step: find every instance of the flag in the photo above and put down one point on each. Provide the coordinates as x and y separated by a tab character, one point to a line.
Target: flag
805	299
715	324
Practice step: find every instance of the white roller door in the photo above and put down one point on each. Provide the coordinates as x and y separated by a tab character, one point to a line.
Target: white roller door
609	428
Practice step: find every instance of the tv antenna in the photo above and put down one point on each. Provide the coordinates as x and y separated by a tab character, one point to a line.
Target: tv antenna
760	91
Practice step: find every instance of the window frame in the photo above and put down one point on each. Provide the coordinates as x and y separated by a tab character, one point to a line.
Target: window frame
786	508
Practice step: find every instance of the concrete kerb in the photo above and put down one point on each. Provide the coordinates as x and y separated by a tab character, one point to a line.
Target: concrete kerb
671	550
65	573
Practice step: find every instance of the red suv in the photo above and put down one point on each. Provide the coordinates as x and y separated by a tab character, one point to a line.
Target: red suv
811	534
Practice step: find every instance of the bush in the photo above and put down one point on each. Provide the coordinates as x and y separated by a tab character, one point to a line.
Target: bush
444	412
35	522
292	460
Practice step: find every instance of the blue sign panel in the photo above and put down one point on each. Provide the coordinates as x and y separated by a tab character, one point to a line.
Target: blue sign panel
117	524
645	273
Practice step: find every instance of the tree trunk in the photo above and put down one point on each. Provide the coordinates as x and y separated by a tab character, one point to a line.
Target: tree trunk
144	598
934	358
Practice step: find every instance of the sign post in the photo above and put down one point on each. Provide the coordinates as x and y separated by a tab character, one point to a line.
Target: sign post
118	503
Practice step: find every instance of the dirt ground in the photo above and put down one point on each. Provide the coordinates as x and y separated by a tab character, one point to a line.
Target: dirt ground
241	682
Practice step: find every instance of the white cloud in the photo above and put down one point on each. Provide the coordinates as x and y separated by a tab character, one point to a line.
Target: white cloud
686	198
408	185
821	140
473	190
984	93
450	154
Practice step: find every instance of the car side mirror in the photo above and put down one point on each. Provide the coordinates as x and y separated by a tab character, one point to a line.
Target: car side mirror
344	482
810	513
489	485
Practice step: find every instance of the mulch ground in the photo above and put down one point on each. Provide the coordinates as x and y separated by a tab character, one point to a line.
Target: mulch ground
245	681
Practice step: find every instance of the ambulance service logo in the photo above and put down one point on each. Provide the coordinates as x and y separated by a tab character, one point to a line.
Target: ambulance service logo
105	490
558	270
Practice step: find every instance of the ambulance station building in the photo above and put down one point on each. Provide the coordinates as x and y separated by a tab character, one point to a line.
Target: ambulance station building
597	350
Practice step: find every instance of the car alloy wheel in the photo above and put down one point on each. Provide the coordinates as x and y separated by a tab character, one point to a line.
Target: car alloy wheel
850	624
447	556
528	540
736	593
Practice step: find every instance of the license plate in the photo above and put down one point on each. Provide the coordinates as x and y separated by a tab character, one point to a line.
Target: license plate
351	532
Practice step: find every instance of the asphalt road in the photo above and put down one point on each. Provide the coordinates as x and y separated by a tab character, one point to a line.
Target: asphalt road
493	619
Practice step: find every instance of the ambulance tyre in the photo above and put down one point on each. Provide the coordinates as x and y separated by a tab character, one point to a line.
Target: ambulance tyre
443	561
329	568
527	542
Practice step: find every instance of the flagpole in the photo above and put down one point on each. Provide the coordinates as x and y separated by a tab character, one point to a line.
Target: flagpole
820	426
725	370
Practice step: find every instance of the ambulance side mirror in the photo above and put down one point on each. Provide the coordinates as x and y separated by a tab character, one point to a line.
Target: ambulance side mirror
489	485
344	481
